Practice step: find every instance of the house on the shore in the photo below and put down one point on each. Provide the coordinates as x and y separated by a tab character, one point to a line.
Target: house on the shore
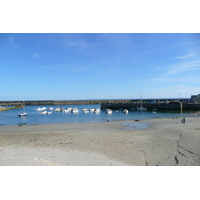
195	98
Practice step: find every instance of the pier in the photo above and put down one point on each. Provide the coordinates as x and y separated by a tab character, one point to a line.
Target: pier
150	106
159	104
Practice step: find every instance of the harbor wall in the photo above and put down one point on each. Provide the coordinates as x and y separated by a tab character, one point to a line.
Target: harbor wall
170	106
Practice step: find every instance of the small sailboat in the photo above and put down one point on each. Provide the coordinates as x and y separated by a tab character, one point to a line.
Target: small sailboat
141	108
125	111
22	114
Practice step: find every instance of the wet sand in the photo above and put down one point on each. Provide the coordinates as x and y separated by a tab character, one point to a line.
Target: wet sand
153	142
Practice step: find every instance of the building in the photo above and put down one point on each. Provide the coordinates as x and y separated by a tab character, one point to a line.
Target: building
195	98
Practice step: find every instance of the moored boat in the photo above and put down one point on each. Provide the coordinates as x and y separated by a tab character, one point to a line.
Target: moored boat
125	111
74	110
108	111
97	111
22	114
45	113
141	108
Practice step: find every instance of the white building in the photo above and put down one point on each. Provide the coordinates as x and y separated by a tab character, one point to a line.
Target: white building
195	98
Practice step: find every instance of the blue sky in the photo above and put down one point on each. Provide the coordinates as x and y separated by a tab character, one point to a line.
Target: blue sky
99	66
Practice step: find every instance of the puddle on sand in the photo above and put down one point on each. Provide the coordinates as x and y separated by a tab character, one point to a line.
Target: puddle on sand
136	125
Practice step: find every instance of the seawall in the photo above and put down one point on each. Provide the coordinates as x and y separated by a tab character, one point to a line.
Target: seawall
170	106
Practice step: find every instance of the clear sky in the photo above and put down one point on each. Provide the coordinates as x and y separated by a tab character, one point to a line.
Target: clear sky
99	66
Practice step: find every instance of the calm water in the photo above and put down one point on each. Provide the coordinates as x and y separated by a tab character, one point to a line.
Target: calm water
11	117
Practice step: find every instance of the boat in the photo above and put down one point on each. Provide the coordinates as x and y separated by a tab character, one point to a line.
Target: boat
154	111
108	111
50	108
97	111
141	108
86	111
74	110
66	110
45	112
59	109
23	114
39	109
92	109
125	111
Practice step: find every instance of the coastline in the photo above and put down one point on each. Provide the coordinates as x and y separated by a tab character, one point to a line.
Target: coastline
165	142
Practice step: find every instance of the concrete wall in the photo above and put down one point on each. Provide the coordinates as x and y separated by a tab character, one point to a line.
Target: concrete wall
170	106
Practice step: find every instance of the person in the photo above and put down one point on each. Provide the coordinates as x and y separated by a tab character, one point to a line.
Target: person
184	120
198	114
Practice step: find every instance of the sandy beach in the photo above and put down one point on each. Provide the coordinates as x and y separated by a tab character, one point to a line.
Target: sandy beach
153	142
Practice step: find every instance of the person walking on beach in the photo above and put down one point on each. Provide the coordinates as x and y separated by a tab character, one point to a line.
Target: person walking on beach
183	120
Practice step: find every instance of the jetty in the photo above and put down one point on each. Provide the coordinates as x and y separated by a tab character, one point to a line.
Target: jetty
159	104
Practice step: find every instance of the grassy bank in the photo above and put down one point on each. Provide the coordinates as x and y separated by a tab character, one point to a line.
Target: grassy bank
5	108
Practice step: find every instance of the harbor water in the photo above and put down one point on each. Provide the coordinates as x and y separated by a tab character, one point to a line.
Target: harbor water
11	117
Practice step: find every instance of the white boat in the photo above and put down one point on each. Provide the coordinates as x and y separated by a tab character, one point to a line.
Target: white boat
108	111
141	108
125	111
23	114
74	110
39	109
50	108
97	111
86	111
92	109
59	109
45	113
154	111
66	110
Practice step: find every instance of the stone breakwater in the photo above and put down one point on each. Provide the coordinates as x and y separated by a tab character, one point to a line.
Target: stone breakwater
169	106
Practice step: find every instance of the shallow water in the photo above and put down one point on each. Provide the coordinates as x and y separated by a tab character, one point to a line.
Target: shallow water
10	117
136	125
